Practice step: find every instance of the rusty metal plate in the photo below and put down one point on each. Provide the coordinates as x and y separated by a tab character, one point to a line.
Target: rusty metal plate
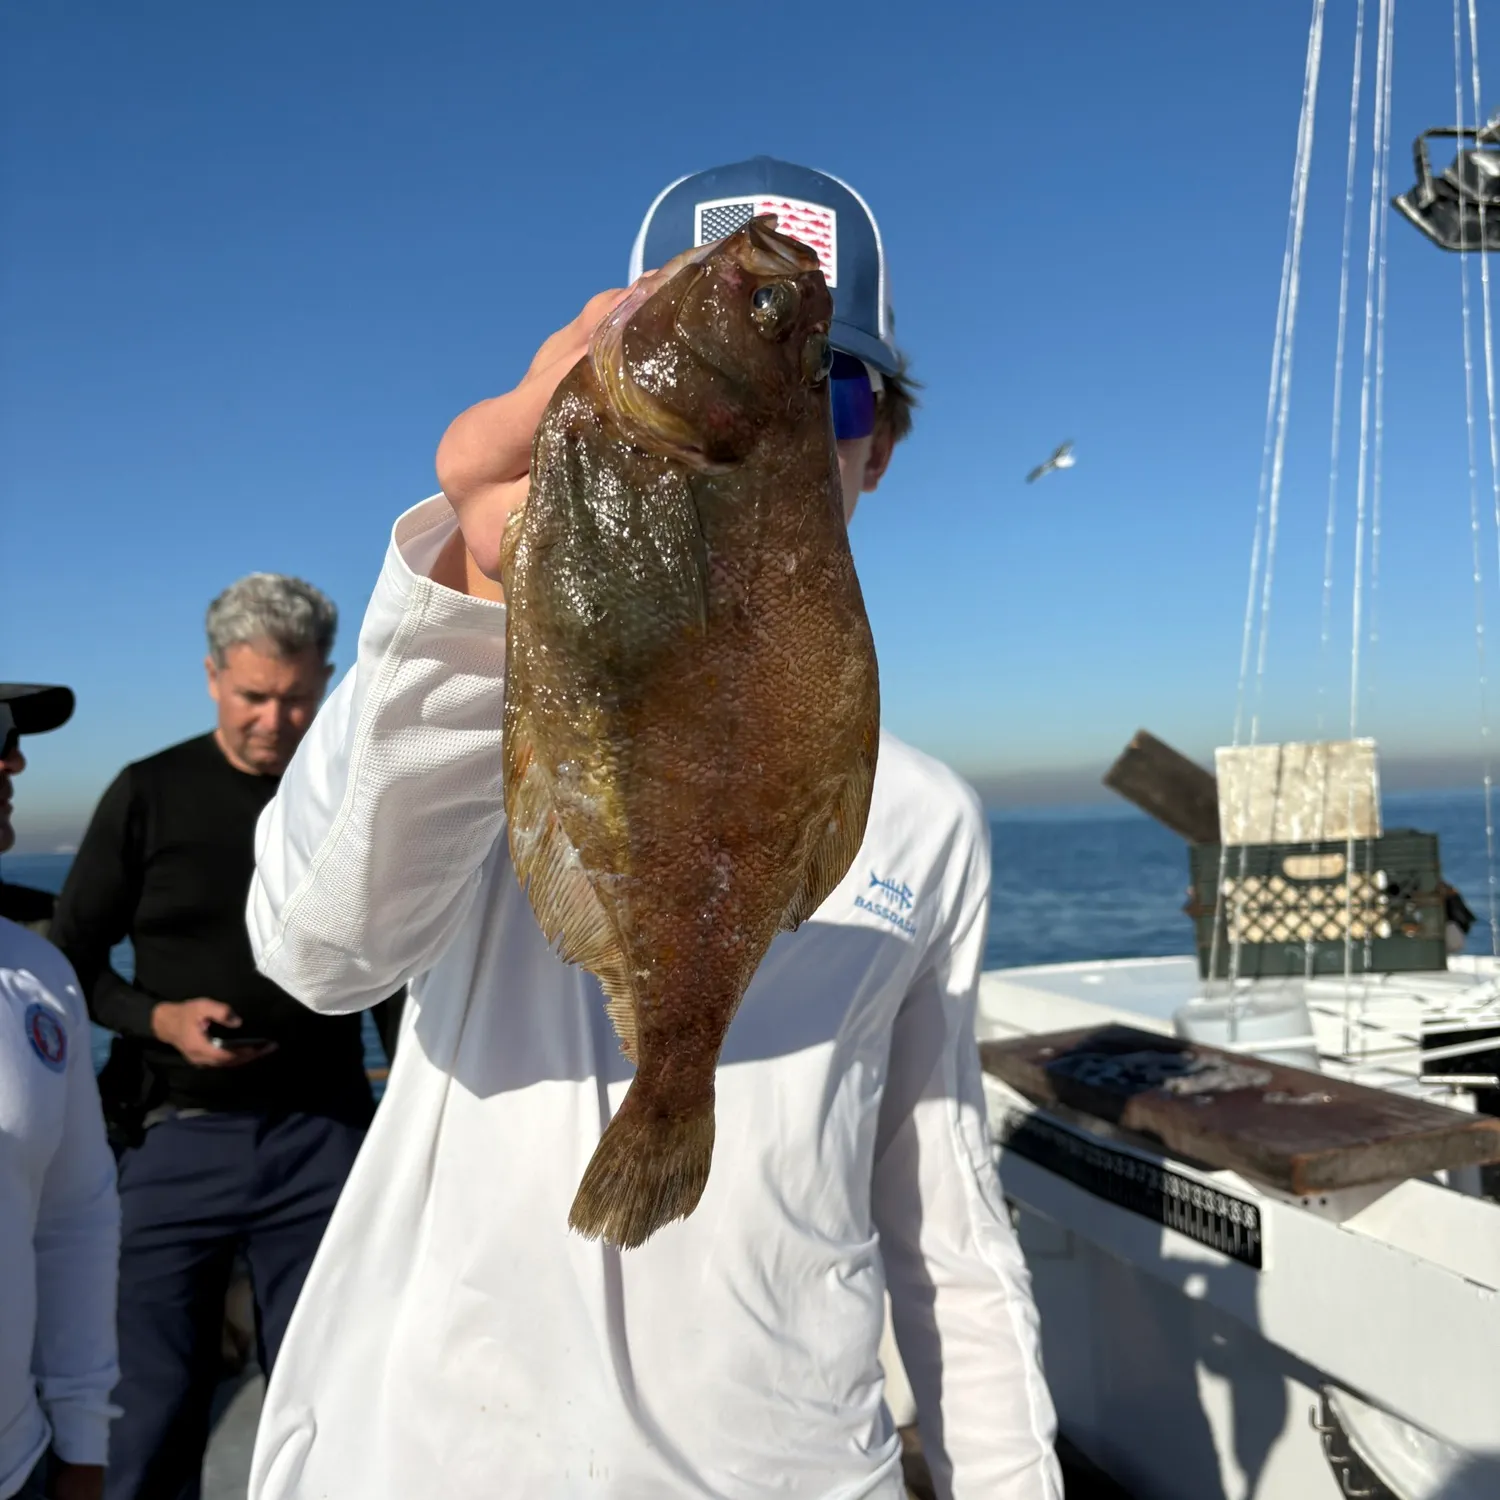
1285	1127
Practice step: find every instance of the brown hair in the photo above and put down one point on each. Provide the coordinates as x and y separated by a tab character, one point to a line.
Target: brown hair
897	402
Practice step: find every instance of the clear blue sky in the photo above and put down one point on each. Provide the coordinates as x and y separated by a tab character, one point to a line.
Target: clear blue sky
253	259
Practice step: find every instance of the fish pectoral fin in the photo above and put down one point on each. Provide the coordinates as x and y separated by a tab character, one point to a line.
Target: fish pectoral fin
834	851
567	908
676	532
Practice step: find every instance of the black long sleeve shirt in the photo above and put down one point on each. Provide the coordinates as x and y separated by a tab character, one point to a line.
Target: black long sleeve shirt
167	862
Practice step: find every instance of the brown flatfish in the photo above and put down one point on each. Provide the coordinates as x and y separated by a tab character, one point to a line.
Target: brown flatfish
691	699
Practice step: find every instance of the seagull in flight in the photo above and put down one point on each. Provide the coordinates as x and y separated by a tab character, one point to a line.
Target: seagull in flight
1062	458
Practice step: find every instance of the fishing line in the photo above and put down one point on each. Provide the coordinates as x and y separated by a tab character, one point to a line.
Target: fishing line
1379	130
1475	528
1334	442
1377	467
1304	167
1489	393
1338	358
1272	455
1379	142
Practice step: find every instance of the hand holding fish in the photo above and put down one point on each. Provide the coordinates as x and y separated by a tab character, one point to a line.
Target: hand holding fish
484	458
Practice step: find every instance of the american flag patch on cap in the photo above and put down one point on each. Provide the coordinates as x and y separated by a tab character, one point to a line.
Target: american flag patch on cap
811	223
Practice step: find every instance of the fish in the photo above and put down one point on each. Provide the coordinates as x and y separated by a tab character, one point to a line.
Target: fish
1062	458
692	708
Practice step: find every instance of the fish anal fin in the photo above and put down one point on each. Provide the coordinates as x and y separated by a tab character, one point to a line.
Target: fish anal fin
619	1002
562	897
833	851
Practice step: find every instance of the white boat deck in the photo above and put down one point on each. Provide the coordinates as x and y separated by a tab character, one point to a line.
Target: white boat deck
1368	1028
226	1466
1142	992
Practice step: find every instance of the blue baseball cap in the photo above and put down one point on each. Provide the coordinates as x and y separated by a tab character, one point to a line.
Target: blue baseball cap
824	213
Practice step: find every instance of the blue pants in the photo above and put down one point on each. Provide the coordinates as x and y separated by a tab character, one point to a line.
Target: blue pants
195	1191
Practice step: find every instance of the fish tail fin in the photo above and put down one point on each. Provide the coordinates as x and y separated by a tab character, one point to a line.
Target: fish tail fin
649	1168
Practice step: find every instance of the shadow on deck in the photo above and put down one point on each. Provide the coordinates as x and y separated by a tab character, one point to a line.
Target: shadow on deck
236	1413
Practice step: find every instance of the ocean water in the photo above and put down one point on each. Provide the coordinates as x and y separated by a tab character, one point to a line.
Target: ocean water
1099	881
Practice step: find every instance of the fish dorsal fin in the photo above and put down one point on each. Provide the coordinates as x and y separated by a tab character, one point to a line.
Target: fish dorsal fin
570	914
834	851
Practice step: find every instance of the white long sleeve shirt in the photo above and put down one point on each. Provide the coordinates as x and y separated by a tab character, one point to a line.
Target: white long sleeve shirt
59	1219
454	1337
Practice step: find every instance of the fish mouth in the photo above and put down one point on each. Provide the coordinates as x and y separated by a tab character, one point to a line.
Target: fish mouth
764	252
641	417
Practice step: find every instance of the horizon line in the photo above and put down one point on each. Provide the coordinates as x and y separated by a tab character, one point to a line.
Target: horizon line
1079	785
1038	789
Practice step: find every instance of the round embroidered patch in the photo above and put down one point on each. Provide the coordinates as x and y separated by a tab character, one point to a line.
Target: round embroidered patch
48	1039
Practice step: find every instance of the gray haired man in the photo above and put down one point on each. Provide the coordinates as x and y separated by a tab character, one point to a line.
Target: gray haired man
236	1112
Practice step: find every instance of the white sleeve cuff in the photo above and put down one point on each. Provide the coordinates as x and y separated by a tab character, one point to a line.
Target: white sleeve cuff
80	1431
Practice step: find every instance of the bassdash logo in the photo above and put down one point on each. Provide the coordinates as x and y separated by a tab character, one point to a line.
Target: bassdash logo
890	903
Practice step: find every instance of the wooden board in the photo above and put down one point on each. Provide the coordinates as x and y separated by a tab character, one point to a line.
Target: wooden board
1298	793
1173	789
1285	1127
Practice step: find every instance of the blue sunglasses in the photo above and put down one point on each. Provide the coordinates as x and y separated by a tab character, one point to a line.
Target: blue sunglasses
852	395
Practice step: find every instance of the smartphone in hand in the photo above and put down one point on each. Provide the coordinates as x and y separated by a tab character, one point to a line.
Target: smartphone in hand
233	1036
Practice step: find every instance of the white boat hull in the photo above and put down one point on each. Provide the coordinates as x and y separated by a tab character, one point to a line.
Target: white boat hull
1189	1372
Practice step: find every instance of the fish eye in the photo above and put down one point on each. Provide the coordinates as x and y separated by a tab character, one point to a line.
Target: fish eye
773	306
817	359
